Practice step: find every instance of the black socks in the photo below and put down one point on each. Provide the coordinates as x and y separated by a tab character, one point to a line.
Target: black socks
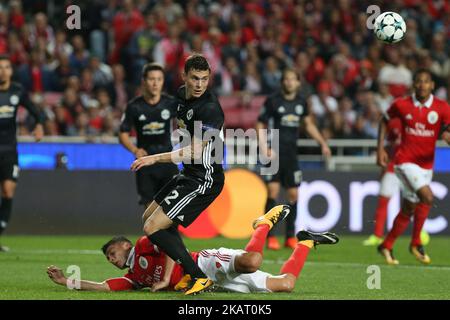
171	243
5	213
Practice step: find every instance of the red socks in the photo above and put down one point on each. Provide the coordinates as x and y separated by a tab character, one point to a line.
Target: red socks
420	215
380	216
258	239
400	224
294	264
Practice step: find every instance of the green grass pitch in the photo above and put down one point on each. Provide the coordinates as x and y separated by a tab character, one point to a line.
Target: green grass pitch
331	272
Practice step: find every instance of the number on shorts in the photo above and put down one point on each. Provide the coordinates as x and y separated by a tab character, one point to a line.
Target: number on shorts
173	195
15	171
298	177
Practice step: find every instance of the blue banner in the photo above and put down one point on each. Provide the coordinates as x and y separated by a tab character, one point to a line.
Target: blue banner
111	156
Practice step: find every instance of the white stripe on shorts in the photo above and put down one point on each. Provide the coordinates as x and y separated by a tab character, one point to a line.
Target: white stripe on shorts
183	202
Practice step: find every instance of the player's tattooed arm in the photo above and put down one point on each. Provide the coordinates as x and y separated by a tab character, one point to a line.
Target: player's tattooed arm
58	277
164	283
193	151
382	155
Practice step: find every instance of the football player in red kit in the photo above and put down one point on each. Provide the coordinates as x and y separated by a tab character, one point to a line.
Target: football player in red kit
232	270
423	116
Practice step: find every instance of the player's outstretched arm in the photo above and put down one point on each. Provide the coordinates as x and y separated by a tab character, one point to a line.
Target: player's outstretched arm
193	151
58	277
314	133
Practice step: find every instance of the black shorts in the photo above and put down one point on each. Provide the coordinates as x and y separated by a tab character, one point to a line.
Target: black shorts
184	198
289	173
9	166
149	180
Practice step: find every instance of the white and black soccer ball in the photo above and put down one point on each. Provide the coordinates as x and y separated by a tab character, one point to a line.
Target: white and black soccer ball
390	27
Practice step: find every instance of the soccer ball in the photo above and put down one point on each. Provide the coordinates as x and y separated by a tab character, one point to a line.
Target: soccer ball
390	27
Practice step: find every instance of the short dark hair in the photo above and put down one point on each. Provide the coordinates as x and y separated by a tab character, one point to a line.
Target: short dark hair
153	66
196	62
114	240
420	71
5	57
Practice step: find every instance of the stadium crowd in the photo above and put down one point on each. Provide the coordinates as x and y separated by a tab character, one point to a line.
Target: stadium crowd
82	79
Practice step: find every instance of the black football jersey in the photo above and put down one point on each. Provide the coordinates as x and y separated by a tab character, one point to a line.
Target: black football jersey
10	100
153	123
203	118
286	116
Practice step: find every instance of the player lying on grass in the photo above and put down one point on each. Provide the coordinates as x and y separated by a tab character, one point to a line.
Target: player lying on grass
232	270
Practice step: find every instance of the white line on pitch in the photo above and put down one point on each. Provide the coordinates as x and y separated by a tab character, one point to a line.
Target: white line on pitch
362	265
266	261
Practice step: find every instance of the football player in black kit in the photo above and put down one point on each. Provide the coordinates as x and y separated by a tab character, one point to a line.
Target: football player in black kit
12	95
151	115
287	110
185	197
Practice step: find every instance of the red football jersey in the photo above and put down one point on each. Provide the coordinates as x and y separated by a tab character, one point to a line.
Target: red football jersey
393	136
421	125
148	263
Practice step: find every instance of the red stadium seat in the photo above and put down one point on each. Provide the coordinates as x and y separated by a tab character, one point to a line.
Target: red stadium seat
249	118
233	117
257	102
228	102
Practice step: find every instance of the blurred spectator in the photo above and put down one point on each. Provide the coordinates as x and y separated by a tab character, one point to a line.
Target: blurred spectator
395	74
142	45
61	122
322	103
252	79
101	72
63	72
171	52
125	23
81	126
230	79
16	50
383	98
247	43
234	47
120	91
41	29
16	16
271	76
80	56
71	102
348	114
4	27
371	120
60	47
171	10
36	76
